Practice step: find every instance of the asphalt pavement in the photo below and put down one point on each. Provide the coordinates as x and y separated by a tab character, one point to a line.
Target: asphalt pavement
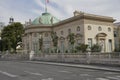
15	70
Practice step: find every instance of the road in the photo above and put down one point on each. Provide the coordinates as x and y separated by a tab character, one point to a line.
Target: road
10	70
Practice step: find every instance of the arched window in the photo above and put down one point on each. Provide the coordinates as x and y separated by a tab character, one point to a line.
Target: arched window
89	28
109	29
78	28
99	28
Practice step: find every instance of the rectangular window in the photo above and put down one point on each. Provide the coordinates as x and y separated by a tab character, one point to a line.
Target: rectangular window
110	45
115	34
89	42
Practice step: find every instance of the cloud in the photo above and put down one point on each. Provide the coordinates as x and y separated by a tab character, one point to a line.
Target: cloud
51	8
38	2
101	7
18	10
22	10
18	16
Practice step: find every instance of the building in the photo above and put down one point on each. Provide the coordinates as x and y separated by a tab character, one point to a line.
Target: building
117	36
88	29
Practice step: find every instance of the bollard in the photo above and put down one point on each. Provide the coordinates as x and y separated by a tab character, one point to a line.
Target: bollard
88	56
31	55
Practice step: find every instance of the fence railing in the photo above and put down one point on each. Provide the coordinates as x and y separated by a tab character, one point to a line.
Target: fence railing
83	55
88	57
14	56
95	57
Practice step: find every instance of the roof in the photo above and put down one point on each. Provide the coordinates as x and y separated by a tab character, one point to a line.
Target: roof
82	15
117	24
45	18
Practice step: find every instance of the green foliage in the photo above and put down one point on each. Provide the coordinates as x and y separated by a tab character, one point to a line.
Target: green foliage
84	47
71	38
75	51
58	51
78	47
54	39
81	47
51	51
11	35
96	48
66	51
0	45
117	50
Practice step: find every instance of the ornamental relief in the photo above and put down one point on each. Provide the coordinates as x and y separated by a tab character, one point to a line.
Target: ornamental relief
40	20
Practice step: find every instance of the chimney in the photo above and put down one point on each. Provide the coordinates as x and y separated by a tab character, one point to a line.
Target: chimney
11	20
30	21
76	13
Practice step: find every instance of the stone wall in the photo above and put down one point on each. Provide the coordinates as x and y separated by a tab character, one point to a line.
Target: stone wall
86	58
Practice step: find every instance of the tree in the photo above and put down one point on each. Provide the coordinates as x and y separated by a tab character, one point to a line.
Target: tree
84	47
71	40
78	47
0	45
11	35
54	40
81	47
96	48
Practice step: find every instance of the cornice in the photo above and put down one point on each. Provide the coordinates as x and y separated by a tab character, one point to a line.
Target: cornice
71	19
37	26
98	17
74	18
85	16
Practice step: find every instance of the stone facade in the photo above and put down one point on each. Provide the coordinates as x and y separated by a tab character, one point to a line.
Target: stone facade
88	29
117	36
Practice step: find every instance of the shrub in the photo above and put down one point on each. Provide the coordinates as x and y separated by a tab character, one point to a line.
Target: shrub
84	47
51	51
58	51
66	51
96	48
81	47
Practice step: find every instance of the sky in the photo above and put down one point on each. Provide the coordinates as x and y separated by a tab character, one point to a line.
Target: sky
23	10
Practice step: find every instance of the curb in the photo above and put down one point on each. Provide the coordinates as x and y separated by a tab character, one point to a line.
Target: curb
75	65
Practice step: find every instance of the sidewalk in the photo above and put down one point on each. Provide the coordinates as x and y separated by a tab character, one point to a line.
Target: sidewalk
95	67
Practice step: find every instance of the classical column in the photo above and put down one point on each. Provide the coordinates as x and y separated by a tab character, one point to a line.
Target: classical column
30	41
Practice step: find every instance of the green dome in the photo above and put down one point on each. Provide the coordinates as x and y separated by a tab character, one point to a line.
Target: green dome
46	18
